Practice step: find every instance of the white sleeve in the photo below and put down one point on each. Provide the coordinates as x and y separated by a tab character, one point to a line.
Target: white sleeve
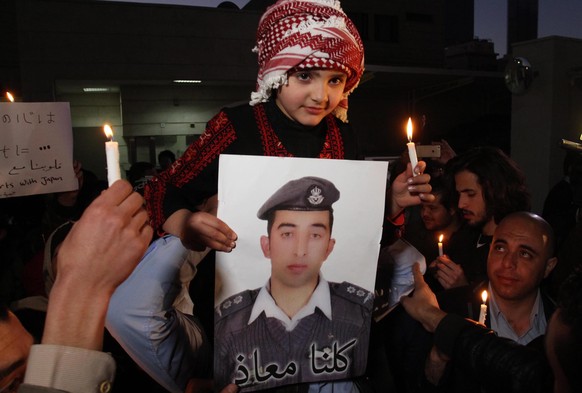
71	369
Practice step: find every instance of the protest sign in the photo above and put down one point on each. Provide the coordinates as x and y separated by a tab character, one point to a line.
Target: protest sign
36	149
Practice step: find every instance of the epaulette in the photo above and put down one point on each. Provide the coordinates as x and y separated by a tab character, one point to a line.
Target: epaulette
353	293
236	302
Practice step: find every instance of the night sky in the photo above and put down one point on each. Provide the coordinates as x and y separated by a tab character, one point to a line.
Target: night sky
556	17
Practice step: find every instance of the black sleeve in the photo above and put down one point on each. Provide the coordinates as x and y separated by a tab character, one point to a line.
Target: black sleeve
499	364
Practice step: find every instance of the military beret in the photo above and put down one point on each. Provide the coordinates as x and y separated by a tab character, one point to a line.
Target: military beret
304	194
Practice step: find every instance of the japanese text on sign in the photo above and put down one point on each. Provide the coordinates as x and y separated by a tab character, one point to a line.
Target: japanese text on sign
36	149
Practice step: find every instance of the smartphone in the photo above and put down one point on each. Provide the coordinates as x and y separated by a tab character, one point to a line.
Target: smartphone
432	151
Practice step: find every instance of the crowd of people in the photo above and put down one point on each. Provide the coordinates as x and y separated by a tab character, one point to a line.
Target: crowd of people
127	272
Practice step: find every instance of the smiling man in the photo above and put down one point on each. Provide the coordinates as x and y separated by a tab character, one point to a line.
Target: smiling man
497	364
521	255
298	327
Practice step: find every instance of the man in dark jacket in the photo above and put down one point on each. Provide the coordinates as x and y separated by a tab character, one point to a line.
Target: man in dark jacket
489	186
520	257
499	364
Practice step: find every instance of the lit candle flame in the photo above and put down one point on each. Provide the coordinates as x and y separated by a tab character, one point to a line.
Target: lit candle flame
108	131
581	137
441	238
409	130
484	296
10	96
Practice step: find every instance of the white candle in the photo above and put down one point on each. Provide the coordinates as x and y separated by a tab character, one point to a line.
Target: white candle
112	155
441	245
411	147
483	311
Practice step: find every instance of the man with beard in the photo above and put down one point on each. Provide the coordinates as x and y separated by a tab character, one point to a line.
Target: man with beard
489	186
437	218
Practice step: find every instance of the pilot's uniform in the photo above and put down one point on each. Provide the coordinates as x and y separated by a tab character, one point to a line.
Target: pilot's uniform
258	346
245	336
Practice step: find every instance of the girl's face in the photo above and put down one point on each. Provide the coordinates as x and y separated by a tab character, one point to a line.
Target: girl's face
310	95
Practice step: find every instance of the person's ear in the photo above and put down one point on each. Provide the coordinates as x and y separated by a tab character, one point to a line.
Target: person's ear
330	246
265	246
550	265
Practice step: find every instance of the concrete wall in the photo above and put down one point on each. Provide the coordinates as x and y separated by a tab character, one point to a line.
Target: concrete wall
141	48
121	41
55	45
548	111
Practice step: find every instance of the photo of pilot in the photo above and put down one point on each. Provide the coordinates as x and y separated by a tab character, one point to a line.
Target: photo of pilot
298	327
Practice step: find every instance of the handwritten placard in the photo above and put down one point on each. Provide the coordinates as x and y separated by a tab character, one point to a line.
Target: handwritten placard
36	149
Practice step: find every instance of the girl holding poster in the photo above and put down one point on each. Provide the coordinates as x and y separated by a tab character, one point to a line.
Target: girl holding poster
310	58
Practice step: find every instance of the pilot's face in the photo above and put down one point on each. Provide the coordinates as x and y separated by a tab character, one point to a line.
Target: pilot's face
298	244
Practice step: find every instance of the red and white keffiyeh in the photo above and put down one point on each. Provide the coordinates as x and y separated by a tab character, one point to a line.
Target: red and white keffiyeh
307	34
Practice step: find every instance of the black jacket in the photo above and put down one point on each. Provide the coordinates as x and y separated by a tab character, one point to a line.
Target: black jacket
496	364
465	302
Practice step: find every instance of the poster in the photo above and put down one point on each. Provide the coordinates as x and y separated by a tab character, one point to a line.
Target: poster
36	149
293	303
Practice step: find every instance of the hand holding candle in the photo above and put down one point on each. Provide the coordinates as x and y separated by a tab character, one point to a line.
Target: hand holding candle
112	155
411	147
483	311
440	244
